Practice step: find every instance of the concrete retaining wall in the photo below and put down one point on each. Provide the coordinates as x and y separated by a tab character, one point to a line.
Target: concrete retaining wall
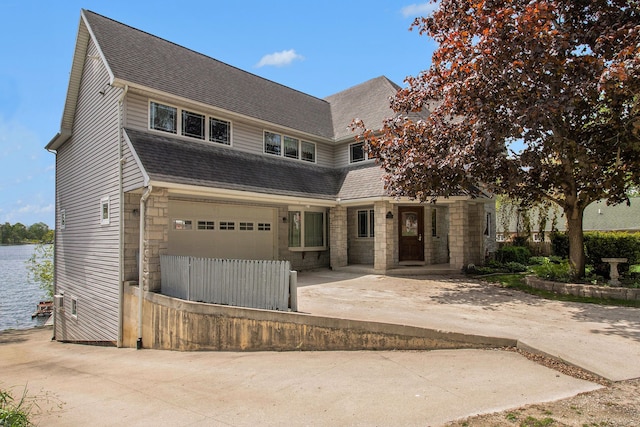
581	290
174	324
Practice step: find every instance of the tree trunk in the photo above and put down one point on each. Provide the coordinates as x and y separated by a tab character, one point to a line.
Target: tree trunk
576	241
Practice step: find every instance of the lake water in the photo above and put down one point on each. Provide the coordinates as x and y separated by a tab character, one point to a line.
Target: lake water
18	295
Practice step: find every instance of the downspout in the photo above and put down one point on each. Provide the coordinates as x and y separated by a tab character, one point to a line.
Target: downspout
141	262
121	161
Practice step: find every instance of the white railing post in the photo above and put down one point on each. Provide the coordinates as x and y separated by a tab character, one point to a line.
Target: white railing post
293	290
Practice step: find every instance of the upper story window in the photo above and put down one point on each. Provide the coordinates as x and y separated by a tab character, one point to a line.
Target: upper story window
287	146
272	143
357	153
164	118
192	124
219	131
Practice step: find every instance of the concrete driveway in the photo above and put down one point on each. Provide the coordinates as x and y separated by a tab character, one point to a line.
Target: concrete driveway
604	340
86	385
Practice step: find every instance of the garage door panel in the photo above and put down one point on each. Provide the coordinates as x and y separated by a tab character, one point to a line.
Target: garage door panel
222	231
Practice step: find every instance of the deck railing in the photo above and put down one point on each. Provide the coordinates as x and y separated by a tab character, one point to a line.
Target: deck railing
261	284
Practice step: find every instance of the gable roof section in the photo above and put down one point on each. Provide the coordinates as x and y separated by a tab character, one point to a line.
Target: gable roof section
177	161
142	59
368	101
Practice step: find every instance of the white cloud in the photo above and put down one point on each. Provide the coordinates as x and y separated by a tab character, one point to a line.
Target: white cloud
35	209
422	9
279	59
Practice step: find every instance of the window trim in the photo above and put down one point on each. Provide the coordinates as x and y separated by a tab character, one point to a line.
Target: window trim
105	201
369	223
302	211
367	157
282	145
177	120
74	307
179	130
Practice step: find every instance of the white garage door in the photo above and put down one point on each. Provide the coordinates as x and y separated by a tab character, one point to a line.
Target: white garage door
221	231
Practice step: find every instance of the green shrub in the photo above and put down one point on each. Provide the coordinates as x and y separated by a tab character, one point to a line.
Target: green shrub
538	260
556	272
515	267
560	244
600	245
507	254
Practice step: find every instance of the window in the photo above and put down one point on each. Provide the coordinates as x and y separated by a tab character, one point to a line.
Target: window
264	226
290	147
74	307
246	226
366	224
192	124
104	211
206	225
182	224
272	142
63	219
308	152
287	146
163	117
307	229
227	225
357	153
219	131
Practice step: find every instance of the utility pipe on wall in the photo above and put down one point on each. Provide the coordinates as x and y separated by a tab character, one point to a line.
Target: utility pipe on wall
141	262
121	161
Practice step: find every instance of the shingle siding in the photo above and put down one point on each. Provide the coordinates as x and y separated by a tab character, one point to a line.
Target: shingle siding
87	253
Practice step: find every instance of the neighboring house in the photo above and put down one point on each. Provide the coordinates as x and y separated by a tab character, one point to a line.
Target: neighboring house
597	216
163	150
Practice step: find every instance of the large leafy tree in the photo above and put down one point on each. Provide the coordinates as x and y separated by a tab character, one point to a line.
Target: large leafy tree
539	100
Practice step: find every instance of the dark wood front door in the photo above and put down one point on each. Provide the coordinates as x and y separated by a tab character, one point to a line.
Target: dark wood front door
411	233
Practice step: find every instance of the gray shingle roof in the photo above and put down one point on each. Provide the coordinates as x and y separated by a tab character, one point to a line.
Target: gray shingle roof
368	101
141	58
180	161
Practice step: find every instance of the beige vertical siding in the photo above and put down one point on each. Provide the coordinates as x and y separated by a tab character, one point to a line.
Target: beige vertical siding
87	251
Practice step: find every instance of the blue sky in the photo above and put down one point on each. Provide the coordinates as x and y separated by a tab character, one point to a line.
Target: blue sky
317	47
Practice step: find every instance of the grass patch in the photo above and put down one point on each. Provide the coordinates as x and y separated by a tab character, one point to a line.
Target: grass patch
516	281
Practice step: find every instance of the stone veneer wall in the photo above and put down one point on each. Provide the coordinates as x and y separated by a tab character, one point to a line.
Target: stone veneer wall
156	237
338	239
605	292
385	241
360	249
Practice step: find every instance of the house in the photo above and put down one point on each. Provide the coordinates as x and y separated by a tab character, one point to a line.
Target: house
163	150
597	216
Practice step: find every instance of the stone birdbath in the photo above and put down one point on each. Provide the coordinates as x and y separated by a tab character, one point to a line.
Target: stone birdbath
613	272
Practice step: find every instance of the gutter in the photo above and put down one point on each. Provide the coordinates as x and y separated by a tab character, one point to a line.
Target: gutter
141	262
121	161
